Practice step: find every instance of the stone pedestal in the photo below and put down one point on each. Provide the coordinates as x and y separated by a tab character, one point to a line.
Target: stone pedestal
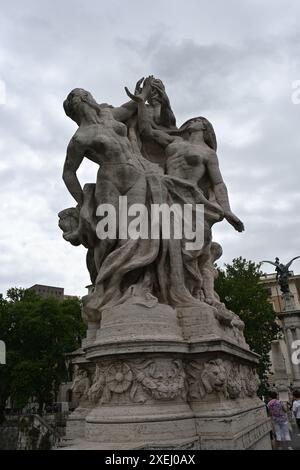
168	379
288	302
280	379
291	328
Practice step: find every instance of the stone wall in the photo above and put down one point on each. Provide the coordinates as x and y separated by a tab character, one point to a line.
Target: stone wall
9	436
27	433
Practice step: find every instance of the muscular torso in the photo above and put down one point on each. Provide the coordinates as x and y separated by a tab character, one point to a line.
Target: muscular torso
106	144
187	161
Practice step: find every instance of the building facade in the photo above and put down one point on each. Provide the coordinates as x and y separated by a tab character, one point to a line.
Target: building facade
282	373
51	291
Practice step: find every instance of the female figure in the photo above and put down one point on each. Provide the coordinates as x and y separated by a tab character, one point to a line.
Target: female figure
189	156
278	412
102	138
191	163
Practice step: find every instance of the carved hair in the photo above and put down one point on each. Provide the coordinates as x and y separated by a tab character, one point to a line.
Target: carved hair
168	118
71	106
209	133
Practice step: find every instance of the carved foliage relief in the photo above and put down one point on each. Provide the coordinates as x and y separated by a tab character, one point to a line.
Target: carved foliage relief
158	379
166	379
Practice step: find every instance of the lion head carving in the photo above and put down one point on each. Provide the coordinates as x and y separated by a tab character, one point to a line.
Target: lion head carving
213	378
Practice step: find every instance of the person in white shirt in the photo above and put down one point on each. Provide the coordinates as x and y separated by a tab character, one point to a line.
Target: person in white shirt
296	407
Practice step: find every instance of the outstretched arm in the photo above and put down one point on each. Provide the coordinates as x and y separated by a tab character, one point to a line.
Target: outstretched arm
221	193
124	112
75	155
127	110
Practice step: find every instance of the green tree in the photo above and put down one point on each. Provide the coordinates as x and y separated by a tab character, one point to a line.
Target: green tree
239	287
15	293
38	333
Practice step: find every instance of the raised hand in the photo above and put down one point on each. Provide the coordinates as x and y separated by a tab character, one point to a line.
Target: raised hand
143	93
137	98
138	88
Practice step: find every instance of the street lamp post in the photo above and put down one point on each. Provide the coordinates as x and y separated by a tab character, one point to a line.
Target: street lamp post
2	352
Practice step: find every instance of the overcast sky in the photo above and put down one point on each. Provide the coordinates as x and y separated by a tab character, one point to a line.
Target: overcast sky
231	61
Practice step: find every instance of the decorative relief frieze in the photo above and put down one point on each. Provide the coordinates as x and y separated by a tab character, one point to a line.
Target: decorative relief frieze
158	379
222	377
164	379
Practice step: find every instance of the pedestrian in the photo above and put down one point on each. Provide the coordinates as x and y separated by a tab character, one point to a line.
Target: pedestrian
272	438
296	407
278	412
